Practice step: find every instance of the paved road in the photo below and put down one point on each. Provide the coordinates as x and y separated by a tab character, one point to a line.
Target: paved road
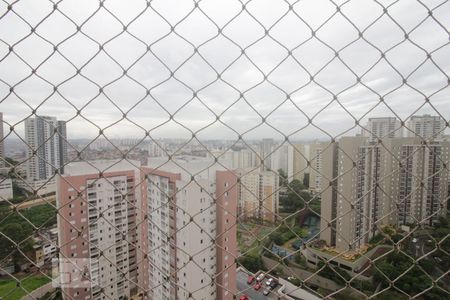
247	289
35	202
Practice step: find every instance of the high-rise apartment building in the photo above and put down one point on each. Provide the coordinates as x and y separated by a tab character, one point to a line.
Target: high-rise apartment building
227	195
282	159
300	161
426	127
158	235
382	127
189	235
266	154
126	230
315	165
259	195
424	179
98	232
46	147
396	182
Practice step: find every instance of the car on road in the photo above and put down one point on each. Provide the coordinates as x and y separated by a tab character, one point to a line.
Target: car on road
250	279
257	286
260	277
273	284
269	281
266	291
244	297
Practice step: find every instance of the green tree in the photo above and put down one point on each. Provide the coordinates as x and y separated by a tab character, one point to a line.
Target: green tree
283	177
393	266
252	262
296	197
300	259
15	240
334	273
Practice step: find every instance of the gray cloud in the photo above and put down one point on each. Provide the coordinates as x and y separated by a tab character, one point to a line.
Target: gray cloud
149	52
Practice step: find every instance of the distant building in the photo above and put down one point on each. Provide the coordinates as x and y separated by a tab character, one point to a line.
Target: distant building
315	164
156	149
426	127
259	195
370	185
98	232
266	154
191	236
382	127
45	246
136	230
300	162
6	189
46	147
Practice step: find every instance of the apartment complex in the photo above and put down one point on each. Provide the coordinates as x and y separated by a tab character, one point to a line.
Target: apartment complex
46	147
300	162
227	195
244	158
259	195
137	230
308	160
397	181
315	165
98	232
158	217
426	127
266	153
382	127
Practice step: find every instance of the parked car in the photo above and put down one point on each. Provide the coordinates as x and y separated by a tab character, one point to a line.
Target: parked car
257	286
274	284
266	291
269	281
250	279
244	297
260	277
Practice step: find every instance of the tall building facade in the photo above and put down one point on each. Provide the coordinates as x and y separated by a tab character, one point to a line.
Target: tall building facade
300	161
46	147
126	230
189	235
266	154
382	127
315	165
424	180
158	234
98	232
426	127
259	195
369	185
227	195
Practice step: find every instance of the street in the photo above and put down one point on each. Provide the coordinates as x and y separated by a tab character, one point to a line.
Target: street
247	289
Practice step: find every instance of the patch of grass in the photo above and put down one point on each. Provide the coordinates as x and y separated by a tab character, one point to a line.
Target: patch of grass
9	289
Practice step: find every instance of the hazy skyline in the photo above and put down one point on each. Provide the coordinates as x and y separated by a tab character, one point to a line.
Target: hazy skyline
272	74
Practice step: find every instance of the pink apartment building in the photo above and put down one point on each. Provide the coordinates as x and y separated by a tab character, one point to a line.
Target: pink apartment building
98	230
131	230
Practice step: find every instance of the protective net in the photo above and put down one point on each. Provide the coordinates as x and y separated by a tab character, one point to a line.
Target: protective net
233	149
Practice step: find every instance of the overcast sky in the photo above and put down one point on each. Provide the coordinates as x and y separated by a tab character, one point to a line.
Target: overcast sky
271	68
